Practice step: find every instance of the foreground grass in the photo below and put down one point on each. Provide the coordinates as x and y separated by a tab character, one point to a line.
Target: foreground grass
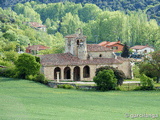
27	100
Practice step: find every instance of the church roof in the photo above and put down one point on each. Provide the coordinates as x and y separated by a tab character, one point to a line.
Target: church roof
69	59
96	48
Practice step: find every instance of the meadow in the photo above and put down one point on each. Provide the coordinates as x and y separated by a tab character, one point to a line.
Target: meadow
27	100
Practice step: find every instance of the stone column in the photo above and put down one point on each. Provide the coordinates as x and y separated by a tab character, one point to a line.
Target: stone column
62	73
81	73
72	73
58	77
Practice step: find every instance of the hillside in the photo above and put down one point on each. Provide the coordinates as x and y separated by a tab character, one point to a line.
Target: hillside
112	5
61	19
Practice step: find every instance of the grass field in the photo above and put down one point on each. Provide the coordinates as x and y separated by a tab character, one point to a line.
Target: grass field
27	100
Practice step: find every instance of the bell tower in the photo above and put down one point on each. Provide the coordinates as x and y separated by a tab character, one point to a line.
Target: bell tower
76	44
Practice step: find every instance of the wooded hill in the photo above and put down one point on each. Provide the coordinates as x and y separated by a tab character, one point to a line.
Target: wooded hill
152	7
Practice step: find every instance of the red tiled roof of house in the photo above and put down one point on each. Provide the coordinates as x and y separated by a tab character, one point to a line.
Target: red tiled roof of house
139	47
36	25
107	43
103	43
69	59
96	48
37	47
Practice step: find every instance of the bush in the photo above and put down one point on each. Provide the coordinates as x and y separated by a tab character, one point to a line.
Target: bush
105	80
146	83
8	72
65	86
119	74
38	78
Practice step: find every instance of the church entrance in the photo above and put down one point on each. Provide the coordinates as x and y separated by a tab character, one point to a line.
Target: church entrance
67	73
76	75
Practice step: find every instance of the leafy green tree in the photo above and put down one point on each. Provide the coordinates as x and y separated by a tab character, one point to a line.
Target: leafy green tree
151	65
146	82
105	80
125	51
119	74
89	12
27	65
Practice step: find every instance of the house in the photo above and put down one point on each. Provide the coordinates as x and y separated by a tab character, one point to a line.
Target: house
140	49
35	48
115	46
80	60
37	26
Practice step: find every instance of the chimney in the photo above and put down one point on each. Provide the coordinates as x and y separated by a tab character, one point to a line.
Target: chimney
119	41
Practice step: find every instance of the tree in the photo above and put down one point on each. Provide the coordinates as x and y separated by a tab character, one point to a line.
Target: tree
105	80
27	65
125	52
119	74
151	65
146	82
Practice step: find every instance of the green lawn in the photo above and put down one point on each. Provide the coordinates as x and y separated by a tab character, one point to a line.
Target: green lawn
27	100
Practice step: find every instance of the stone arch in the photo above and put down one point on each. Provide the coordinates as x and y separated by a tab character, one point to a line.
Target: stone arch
76	73
57	69
86	71
67	73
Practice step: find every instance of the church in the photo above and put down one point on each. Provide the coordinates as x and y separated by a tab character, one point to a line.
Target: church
80	60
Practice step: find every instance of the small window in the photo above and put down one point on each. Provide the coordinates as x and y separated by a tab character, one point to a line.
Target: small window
100	55
115	48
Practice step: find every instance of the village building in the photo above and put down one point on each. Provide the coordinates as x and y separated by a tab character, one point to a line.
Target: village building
115	46
35	48
141	49
80	60
37	26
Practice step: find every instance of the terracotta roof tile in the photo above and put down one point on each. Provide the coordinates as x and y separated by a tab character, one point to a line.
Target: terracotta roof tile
139	47
69	59
96	48
103	43
107	43
35	24
37	47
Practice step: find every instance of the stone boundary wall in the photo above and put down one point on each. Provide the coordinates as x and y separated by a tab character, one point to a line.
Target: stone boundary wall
54	85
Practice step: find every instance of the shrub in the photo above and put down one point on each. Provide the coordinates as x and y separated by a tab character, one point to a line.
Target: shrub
136	71
8	72
119	74
39	78
105	80
65	86
146	83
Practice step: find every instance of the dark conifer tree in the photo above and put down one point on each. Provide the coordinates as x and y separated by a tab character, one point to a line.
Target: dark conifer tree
125	52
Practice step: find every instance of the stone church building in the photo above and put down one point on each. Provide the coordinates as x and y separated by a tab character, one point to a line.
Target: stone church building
80	60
